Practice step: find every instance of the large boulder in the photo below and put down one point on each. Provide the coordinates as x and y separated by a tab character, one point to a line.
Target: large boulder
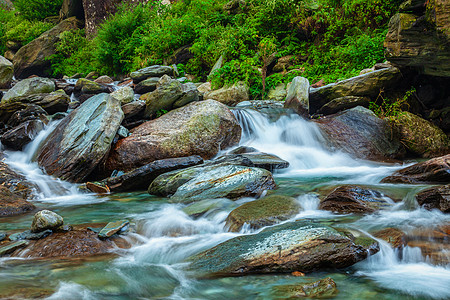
421	137
263	212
435	198
152	71
212	181
297	97
199	128
46	219
361	133
366	85
82	139
28	87
229	95
419	37
435	170
343	103
32	59
6	72
294	246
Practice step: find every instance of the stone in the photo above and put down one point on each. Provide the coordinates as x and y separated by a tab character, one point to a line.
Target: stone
104	79
190	94
2	236
82	139
297	97
214	181
293	246
71	8
15	183
30	113
207	206
32	59
6	72
18	137
395	237
28	87
146	86
204	87
435	170
97	188
278	93
112	228
140	178
46	219
343	103
367	85
199	128
229	95
12	204
283	63
361	133
421	137
266	161
152	71
354	199
435	198
124	95
263	212
217	65
181	55
133	109
86	86
28	235
11	247
321	289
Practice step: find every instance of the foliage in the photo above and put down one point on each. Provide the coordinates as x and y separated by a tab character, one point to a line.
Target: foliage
38	9
391	109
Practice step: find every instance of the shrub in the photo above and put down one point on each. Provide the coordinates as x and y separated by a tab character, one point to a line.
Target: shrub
38	9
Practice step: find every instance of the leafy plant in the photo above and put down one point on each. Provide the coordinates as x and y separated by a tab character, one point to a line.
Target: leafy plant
38	9
391	109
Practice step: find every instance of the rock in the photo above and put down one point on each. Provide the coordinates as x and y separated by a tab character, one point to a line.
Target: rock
32	59
421	137
140	178
15	183
181	55
367	85
133	109
6	72
420	39
11	247
361	133
266	161
104	80
204	88
199	128
200	208
229	95
122	132
29	86
152	71
324	288
12	204
435	198
73	150
46	219
31	112
297	97
71	8
435	170
86	86
243	149
18	137
278	93
216	181
217	65
146	86
354	199
283	63
190	94
343	103
28	235
395	237
293	246
433	243
2	236
112	228
124	95
263	212
97	188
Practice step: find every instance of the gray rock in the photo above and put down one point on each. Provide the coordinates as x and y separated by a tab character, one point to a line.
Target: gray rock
229	95
29	113
208	206
278	93
28	235
124	95
152	71
297	97
112	228
29	86
343	103
266	161
146	86
6	72
46	219
2	236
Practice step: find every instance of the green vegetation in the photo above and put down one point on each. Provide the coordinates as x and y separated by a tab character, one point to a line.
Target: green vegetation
391	109
38	9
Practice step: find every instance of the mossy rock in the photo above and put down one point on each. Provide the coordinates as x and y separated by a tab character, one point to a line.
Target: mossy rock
322	289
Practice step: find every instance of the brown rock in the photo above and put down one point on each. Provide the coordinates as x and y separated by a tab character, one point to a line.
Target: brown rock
393	236
96	188
435	198
15	182
12	204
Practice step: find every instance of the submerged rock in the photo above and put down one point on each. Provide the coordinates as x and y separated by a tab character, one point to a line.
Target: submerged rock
294	246
81	140
435	170
435	198
297	97
46	219
112	228
207	206
321	289
199	128
229	95
262	212
28	87
28	235
12	204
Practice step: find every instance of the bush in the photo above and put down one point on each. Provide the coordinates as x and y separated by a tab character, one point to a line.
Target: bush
38	9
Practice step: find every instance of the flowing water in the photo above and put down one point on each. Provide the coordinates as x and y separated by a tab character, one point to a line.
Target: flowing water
154	267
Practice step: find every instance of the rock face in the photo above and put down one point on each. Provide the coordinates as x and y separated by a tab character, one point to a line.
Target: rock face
229	95
96	12
82	139
422	137
289	247
361	133
419	37
18	137
28	87
213	181
71	8
31	59
436	170
354	199
297	97
12	204
46	219
262	212
152	71
366	85
199	128
6	72
435	198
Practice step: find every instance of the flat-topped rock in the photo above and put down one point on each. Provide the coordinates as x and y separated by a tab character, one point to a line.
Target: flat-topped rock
112	228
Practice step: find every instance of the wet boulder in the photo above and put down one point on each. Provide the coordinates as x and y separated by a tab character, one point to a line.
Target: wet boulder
6	72
30	113
229	95
112	228
12	204
361	133
263	160
199	128
207	206
46	219
104	79
435	170
82	139
354	199
28	87
293	246
435	198
21	135
297	97
263	212
277	93
343	103
214	181
152	71
395	237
